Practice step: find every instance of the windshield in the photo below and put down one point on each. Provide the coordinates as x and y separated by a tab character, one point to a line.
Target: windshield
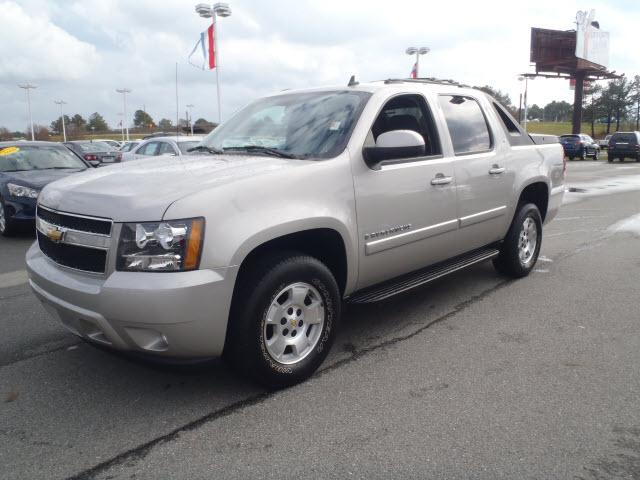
28	157
304	125
93	147
185	146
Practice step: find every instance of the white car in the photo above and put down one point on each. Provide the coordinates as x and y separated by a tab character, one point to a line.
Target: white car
162	146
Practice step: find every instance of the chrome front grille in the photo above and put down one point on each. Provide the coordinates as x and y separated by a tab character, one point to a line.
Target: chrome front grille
74	241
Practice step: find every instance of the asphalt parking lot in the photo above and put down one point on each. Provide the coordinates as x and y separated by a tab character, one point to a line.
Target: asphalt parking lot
473	376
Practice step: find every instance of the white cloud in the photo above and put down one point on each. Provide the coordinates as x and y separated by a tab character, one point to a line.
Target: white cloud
81	50
31	47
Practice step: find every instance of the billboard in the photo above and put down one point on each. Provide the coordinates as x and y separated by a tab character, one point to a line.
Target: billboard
592	44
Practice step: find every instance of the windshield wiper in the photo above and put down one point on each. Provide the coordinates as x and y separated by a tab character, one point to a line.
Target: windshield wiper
267	150
22	170
204	148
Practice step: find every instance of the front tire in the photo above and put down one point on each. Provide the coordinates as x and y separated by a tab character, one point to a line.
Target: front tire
596	154
283	320
583	154
521	246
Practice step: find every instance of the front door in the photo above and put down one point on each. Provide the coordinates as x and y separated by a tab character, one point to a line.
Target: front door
406	209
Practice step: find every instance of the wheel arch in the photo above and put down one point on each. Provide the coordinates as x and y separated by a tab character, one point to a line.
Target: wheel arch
326	243
536	192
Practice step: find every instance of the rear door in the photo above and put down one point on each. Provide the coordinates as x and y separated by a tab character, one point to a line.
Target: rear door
484	182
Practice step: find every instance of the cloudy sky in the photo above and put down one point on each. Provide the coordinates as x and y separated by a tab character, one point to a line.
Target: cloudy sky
81	51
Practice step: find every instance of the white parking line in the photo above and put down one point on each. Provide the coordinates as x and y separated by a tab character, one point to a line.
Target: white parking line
13	279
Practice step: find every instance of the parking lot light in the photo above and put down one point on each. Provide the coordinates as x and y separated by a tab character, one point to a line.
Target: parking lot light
124	92
190	117
61	103
417	52
213	11
27	87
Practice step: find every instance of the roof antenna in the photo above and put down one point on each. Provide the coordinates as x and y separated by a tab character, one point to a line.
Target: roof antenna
352	81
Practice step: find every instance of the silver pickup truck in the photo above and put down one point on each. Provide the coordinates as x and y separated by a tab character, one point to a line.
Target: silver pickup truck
299	202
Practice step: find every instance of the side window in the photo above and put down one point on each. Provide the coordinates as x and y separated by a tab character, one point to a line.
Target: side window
407	112
467	125
148	149
515	134
166	149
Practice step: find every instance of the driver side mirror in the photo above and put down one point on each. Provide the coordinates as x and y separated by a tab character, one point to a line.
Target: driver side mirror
394	145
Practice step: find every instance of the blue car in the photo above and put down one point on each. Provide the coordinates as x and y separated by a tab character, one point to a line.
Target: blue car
25	168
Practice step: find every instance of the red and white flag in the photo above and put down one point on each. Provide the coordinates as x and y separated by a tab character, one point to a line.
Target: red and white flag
207	47
414	71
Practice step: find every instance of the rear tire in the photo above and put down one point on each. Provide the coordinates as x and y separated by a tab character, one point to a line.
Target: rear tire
284	316
7	226
596	154
521	246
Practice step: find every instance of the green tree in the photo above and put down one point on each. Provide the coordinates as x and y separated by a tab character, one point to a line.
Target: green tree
56	125
142	119
535	112
558	111
97	123
78	121
635	100
165	124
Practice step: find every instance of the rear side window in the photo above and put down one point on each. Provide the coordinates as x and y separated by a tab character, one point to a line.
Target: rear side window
515	134
466	123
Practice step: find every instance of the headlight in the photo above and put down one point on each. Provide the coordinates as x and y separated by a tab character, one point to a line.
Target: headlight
20	191
171	246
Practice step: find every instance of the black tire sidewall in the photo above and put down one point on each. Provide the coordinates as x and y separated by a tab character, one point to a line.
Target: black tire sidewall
251	350
8	226
509	261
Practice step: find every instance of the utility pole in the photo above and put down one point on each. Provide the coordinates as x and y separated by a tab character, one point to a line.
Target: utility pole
27	87
61	103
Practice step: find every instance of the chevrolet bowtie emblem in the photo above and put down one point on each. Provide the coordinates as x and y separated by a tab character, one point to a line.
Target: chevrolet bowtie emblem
55	235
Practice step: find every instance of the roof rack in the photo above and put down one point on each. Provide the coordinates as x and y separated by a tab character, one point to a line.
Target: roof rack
431	80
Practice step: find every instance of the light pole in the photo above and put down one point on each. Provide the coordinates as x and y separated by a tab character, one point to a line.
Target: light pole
213	11
27	87
61	103
526	89
417	52
120	114
124	92
189	117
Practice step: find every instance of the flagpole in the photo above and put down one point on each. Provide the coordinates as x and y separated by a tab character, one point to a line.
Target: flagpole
215	59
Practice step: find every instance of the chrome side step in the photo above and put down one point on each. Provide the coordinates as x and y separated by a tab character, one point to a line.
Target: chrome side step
420	277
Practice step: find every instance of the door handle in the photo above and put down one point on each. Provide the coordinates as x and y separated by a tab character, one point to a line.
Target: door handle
440	179
496	169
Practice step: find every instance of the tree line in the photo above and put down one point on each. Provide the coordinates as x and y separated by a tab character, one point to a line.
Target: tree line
76	126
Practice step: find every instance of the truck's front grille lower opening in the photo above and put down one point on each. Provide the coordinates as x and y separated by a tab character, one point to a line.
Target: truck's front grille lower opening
72	256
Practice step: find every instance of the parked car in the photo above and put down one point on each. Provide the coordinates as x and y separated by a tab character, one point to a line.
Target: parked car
114	143
624	145
604	142
129	145
25	168
95	152
307	199
162	146
579	146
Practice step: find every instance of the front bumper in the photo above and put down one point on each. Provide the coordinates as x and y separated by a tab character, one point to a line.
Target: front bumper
181	315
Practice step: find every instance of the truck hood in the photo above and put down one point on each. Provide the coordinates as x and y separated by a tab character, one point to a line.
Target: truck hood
142	190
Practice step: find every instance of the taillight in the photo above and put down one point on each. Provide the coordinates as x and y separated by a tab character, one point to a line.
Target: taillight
89	157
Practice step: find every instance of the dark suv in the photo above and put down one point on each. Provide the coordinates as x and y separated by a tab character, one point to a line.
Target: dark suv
580	146
624	145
